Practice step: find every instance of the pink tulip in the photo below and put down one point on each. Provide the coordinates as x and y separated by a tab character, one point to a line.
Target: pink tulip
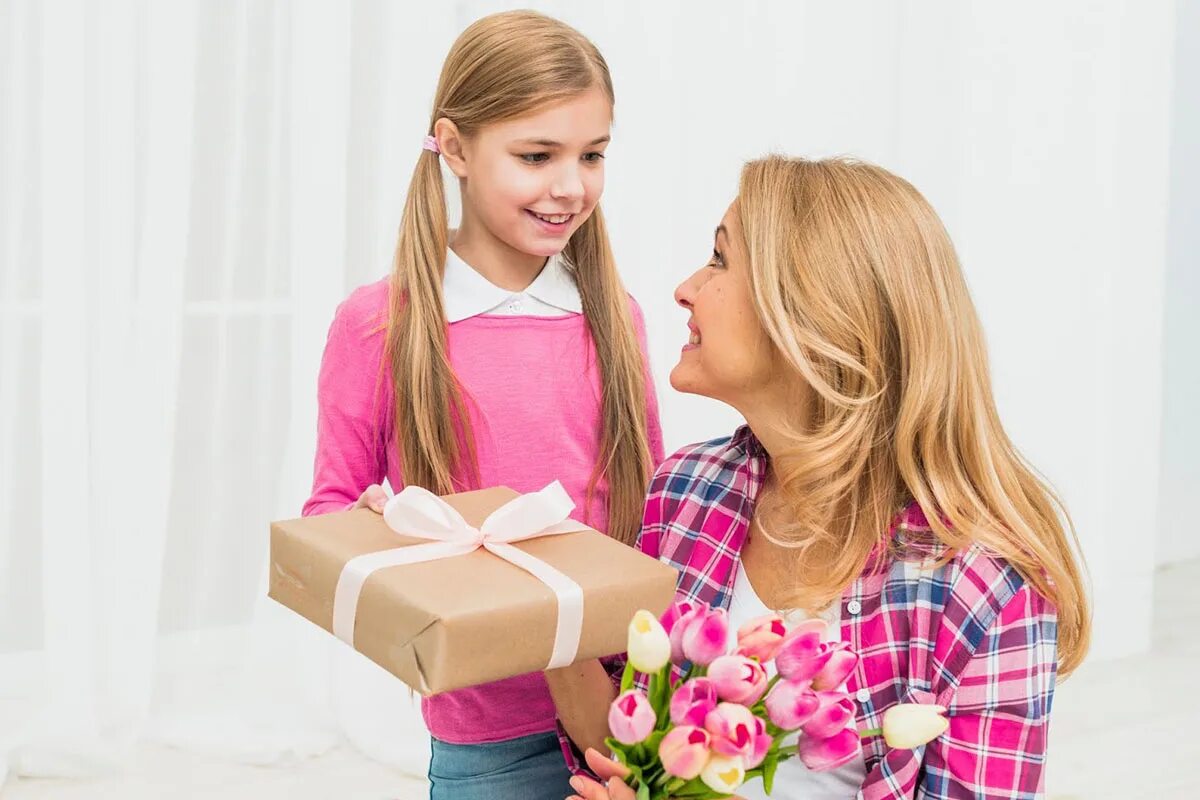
684	751
738	679
790	704
842	661
700	635
820	755
835	711
802	654
673	613
732	728
760	638
762	743
692	701
631	718
678	617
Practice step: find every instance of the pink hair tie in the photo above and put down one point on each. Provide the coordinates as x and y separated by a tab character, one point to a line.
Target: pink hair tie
431	145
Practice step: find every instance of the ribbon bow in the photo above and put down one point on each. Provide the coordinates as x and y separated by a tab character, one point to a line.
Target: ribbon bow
420	513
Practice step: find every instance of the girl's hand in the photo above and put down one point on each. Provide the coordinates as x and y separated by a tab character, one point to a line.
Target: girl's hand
609	771
373	497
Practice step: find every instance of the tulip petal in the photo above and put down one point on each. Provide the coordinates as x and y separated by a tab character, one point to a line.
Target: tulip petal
723	774
842	661
836	709
822	754
910	725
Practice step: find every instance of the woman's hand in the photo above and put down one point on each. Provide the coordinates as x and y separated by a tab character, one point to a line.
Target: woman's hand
609	771
373	497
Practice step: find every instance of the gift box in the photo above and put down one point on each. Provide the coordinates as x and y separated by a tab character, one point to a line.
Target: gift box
500	584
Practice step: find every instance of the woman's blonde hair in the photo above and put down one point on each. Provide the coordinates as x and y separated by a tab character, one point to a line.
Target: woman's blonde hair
502	67
857	284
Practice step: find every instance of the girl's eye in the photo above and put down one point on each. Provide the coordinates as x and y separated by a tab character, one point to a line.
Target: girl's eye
535	158
717	259
593	158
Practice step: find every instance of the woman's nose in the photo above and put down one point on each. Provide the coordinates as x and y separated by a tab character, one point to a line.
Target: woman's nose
686	291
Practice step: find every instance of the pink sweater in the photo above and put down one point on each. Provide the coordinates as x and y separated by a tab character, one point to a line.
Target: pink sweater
534	403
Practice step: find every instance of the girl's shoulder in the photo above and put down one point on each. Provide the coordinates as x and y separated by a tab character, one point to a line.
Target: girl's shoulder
365	311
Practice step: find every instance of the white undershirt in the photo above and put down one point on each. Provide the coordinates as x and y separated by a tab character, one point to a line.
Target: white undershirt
793	781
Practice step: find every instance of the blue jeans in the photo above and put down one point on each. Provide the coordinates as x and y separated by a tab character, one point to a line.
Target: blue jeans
528	768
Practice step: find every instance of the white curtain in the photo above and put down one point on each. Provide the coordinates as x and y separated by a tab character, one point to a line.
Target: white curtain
188	188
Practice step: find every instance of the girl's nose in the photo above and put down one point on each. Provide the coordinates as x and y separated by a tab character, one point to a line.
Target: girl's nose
567	185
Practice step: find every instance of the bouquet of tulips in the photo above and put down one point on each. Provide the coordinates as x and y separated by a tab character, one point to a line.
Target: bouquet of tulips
724	722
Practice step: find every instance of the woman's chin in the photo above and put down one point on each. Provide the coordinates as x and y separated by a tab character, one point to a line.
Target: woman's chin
684	379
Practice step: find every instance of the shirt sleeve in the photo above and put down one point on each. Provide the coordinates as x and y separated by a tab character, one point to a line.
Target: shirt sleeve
999	715
351	422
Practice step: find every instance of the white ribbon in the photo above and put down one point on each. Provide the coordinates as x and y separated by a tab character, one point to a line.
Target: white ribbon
420	513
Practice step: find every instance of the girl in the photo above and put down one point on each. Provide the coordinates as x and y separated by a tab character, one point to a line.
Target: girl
505	352
873	485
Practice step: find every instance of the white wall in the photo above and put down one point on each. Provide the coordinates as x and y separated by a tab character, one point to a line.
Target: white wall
1178	522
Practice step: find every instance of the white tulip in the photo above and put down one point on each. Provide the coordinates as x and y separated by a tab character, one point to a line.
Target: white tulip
910	725
649	646
723	774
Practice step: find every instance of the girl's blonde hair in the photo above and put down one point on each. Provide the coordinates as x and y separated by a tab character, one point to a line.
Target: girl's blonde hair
502	67
858	286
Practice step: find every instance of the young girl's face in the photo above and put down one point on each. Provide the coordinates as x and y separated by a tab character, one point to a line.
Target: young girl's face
729	356
532	181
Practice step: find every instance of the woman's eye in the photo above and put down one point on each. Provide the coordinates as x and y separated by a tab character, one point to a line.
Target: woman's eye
535	158
717	260
593	158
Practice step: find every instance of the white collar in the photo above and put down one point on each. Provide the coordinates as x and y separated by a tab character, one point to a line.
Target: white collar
466	293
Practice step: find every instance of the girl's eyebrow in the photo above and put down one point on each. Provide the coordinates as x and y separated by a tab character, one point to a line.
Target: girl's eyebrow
720	229
550	143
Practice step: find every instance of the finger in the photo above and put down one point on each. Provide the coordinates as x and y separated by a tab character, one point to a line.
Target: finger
376	498
588	789
619	790
603	766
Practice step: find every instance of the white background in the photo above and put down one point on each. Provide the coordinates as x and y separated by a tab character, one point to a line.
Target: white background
188	189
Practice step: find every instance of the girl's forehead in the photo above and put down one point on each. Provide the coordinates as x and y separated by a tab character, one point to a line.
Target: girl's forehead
584	118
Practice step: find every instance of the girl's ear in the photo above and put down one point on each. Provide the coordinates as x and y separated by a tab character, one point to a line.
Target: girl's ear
450	142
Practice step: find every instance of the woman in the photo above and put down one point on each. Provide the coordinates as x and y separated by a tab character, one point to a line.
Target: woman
873	485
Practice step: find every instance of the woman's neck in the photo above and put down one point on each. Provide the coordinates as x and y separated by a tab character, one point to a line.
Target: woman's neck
494	259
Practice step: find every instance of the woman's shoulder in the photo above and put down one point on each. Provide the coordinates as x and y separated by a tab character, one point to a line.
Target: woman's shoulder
702	463
970	586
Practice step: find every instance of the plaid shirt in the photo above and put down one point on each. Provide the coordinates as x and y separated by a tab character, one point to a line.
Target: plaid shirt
969	634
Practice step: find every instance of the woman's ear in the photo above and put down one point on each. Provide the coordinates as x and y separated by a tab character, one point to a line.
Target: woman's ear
450	142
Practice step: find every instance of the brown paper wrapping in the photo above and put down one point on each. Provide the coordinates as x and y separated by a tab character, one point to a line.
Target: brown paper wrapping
466	620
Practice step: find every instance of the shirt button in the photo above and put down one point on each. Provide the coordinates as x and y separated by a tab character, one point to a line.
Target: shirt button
863	695
854	607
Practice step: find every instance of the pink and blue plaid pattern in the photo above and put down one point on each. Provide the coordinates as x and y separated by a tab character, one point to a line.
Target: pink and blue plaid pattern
968	634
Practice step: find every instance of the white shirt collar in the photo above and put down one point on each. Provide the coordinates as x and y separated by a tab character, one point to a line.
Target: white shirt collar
466	293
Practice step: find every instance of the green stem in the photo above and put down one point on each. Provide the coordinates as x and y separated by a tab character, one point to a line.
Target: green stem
627	678
867	734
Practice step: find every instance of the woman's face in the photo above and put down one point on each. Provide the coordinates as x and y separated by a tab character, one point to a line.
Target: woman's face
728	355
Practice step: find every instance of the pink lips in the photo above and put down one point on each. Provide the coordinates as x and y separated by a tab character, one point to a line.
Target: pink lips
689	346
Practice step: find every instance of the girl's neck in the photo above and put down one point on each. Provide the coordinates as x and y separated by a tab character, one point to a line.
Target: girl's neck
503	265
